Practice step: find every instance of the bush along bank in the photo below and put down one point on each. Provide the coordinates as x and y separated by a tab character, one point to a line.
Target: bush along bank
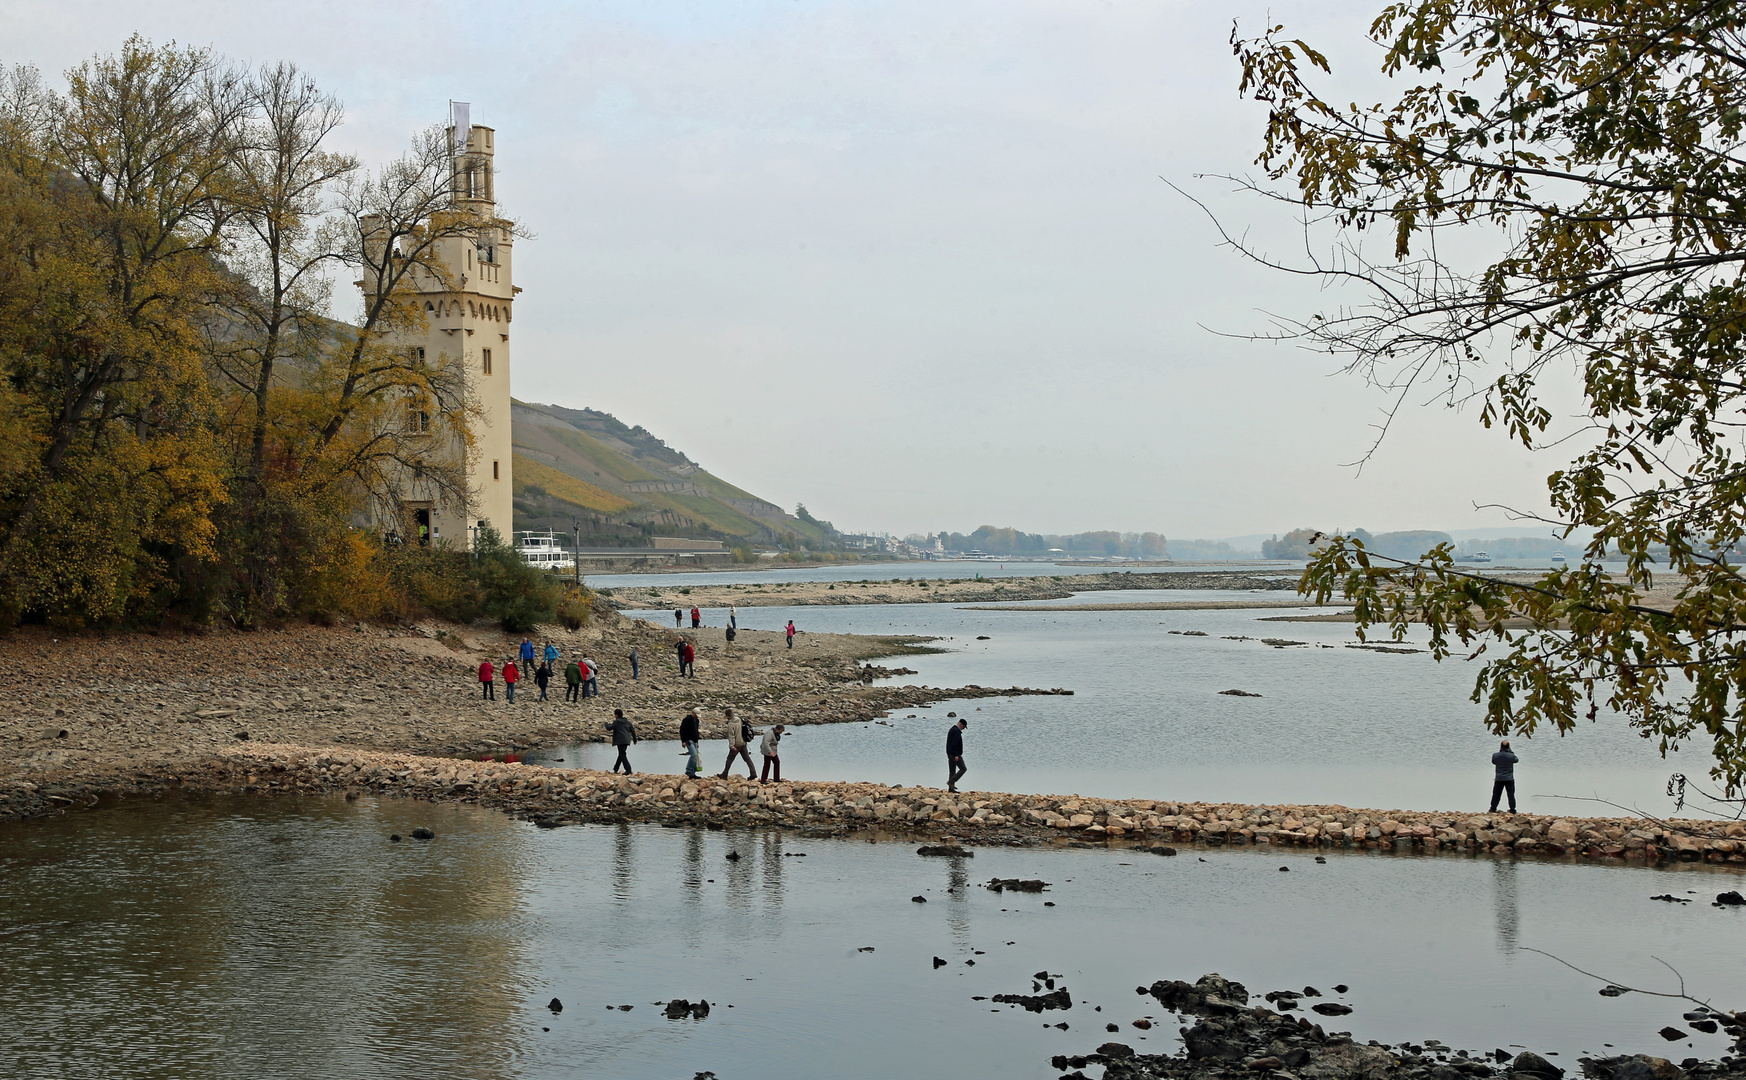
576	796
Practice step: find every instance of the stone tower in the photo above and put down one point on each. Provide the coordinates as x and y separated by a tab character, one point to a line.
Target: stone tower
470	321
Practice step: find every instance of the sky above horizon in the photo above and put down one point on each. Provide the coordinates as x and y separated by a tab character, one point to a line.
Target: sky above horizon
914	265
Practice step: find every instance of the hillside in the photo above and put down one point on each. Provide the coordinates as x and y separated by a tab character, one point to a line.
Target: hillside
625	485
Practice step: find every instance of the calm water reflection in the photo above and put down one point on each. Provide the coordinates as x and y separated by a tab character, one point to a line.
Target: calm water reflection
236	938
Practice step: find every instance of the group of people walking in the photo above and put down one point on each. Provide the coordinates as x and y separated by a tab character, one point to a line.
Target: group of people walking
740	734
581	674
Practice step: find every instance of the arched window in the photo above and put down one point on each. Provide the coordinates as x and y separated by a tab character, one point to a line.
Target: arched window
428	306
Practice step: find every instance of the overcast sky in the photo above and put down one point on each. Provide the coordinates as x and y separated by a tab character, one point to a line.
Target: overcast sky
911	263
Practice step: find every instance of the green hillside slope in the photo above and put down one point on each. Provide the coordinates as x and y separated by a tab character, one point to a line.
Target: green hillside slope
624	485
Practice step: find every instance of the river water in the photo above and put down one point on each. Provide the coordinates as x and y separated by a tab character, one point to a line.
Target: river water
240	938
1333	724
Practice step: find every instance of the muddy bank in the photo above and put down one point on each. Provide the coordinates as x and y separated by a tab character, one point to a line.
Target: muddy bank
575	796
1226	1034
922	591
136	702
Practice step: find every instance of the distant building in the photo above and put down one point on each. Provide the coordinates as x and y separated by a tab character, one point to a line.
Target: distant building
469	319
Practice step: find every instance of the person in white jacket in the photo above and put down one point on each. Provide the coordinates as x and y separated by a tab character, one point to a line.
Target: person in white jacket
772	760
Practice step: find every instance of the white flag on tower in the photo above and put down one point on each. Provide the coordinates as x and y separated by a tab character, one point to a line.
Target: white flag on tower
459	122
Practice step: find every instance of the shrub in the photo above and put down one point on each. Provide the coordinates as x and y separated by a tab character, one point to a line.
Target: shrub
517	595
576	609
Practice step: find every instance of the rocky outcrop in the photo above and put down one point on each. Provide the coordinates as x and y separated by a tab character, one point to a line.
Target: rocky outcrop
1224	1036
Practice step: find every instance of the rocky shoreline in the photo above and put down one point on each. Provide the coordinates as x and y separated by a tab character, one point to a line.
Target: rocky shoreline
1225	1035
559	797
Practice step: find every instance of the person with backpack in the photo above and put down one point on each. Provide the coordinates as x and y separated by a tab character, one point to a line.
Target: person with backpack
624	736
511	676
586	672
632	657
572	677
790	630
591	682
739	734
542	678
488	687
772	759
690	735
678	618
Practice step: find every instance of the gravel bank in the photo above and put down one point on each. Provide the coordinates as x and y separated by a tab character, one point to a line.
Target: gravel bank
572	796
94	705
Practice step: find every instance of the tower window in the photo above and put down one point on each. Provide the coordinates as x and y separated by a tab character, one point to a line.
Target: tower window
496	473
486	362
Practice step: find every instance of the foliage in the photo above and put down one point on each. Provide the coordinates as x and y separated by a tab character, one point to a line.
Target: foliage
182	429
1587	157
517	595
576	609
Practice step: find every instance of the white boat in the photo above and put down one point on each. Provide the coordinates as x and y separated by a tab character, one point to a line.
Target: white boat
978	555
1558	556
1481	556
543	550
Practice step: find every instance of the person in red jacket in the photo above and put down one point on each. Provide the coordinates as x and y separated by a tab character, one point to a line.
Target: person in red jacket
790	629
696	617
488	688
690	660
510	677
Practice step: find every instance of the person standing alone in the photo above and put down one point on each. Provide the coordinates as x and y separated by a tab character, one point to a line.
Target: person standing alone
691	734
772	758
632	657
1505	778
790	631
624	735
955	767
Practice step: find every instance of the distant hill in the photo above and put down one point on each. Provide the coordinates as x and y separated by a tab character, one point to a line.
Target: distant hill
626	485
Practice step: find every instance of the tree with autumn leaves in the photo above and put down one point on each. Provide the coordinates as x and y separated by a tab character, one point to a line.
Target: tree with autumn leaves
184	431
1551	193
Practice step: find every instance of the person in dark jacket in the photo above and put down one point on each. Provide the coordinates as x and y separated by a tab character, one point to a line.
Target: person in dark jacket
739	734
679	651
691	734
543	677
624	736
1505	779
955	767
573	681
632	657
678	618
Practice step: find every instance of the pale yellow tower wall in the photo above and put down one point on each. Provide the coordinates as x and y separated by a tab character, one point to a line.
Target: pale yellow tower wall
470	323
